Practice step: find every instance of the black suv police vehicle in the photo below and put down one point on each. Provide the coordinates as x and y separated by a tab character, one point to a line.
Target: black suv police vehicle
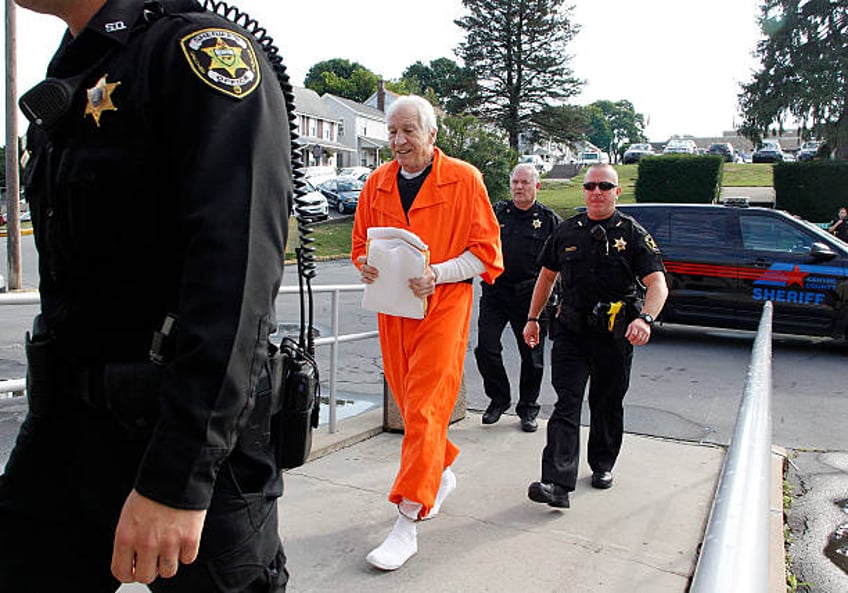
724	262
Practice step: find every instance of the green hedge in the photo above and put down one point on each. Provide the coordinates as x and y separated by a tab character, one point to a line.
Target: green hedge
813	190
679	178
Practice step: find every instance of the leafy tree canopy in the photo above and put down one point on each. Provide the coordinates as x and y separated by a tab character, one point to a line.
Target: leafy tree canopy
517	51
804	72
453	85
342	78
467	138
614	126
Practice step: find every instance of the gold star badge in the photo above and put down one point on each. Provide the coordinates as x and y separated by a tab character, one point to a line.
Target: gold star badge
100	99
537	224
225	57
620	244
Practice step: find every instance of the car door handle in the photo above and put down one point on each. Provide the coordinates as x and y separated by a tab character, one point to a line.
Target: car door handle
760	263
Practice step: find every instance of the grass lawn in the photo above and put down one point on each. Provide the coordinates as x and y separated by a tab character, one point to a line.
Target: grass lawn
333	239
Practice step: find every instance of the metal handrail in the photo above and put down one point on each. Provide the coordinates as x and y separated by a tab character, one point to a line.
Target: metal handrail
333	340
735	552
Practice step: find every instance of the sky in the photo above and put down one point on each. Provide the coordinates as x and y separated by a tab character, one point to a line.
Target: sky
679	62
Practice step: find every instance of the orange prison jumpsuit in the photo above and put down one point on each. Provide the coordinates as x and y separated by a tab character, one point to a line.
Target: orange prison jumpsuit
423	359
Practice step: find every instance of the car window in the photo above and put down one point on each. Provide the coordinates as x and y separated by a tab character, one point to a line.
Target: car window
350	185
697	228
767	233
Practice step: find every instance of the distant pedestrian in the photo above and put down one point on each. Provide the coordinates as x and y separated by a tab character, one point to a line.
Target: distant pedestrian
839	225
525	226
606	261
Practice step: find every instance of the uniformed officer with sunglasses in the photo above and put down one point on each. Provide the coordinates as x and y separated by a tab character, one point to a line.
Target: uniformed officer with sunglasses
613	287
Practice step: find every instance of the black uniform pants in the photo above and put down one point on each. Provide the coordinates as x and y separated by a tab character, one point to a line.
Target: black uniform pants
499	307
61	496
604	362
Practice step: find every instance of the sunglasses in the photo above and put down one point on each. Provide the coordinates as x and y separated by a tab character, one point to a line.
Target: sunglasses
604	185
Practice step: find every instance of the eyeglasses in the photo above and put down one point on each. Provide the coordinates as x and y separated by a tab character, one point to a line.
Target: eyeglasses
604	185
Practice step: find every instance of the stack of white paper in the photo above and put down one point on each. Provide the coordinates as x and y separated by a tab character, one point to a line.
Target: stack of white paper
398	255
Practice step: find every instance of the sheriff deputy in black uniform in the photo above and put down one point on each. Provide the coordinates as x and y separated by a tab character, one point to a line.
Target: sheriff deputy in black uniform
159	176
525	225
613	288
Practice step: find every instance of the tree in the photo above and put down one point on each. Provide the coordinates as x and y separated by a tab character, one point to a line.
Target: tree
615	126
564	124
453	85
804	60
466	138
516	50
342	78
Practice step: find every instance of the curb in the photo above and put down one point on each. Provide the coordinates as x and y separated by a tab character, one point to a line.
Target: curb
22	232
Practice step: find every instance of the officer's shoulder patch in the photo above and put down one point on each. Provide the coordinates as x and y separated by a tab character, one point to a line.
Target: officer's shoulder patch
652	245
224	60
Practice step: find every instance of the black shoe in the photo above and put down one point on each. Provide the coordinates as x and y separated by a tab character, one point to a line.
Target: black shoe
552	494
493	413
602	480
529	425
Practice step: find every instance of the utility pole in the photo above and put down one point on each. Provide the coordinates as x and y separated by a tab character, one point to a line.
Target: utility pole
13	218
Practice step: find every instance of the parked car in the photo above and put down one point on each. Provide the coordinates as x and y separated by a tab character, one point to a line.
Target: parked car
360	173
809	150
312	205
542	166
593	157
724	262
723	149
769	152
678	146
342	193
319	174
636	152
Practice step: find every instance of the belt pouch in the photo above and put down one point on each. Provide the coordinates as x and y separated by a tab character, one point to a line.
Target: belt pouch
42	373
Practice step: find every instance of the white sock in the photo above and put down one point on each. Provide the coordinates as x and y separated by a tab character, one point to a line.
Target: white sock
398	547
446	486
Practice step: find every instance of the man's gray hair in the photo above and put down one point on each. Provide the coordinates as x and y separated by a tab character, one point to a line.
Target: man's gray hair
530	167
426	114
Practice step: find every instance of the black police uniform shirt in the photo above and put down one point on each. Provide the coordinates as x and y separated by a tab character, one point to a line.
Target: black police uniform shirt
523	234
165	188
841	231
601	270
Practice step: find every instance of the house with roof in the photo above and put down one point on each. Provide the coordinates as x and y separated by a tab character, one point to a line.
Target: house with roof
382	98
319	128
362	131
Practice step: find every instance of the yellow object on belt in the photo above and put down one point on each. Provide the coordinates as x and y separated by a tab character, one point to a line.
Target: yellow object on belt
614	309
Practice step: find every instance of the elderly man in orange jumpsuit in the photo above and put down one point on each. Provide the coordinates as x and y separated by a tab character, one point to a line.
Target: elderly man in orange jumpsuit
443	201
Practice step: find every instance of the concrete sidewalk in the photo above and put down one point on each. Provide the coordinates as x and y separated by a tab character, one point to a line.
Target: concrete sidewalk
640	536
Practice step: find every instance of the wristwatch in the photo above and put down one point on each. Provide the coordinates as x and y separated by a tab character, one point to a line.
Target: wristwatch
647	318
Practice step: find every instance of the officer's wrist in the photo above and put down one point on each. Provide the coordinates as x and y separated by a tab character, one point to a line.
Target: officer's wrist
535	319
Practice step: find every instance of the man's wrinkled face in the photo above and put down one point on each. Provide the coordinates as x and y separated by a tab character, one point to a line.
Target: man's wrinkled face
411	144
523	187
